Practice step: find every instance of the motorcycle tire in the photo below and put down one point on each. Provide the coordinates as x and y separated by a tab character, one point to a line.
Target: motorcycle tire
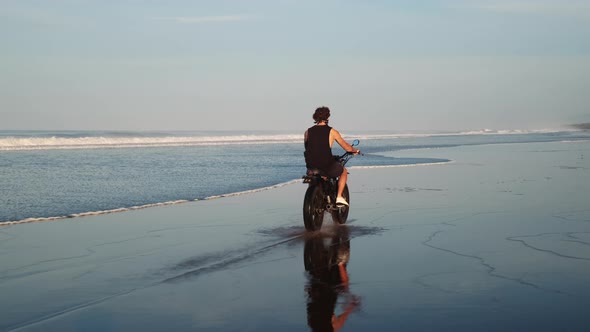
340	215
313	207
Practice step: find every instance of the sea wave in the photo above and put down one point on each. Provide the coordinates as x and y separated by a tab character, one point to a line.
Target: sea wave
52	143
460	133
19	143
145	206
238	193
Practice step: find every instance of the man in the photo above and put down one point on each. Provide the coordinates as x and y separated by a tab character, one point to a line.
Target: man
318	150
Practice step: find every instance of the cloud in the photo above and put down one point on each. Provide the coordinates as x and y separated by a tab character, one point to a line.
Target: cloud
553	8
205	19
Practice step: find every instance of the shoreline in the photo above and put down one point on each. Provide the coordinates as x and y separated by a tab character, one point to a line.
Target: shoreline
152	205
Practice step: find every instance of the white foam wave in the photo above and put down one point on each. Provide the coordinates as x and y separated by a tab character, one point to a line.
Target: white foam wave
576	141
51	143
139	207
239	193
92	213
13	143
462	133
509	131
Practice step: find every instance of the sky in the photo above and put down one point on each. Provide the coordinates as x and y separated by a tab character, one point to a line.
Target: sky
428	65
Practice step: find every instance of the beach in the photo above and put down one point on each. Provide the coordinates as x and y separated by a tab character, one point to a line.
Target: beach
497	239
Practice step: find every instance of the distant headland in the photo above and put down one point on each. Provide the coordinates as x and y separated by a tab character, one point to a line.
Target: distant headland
583	126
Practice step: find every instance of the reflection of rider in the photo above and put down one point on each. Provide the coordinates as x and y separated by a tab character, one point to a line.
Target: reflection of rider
328	279
318	150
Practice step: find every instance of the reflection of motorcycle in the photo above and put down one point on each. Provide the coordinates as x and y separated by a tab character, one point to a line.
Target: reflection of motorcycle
325	259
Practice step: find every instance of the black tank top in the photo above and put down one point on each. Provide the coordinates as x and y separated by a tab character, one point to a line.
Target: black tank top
318	153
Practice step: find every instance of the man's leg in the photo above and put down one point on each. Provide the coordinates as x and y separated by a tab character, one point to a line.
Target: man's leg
342	182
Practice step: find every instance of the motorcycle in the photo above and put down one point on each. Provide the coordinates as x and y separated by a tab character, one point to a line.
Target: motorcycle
320	196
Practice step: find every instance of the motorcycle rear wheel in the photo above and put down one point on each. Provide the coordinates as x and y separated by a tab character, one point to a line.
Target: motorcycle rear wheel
313	207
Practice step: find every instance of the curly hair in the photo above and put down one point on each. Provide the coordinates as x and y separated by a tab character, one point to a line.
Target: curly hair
321	114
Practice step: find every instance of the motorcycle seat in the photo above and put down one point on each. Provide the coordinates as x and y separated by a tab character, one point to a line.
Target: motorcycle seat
313	171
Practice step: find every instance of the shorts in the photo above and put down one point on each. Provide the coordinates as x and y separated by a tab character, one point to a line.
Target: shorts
335	170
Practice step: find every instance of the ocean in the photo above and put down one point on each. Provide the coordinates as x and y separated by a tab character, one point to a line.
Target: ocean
46	175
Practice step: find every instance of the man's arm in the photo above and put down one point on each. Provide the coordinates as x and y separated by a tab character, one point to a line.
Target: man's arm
338	138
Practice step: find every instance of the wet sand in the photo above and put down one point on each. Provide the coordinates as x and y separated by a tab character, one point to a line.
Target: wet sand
497	240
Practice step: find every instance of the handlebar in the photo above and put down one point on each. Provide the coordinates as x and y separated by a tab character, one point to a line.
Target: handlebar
347	155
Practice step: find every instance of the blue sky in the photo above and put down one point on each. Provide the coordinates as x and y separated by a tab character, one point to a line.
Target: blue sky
252	65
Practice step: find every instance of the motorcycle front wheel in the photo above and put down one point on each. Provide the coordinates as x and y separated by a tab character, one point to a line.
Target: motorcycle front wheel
313	207
340	214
